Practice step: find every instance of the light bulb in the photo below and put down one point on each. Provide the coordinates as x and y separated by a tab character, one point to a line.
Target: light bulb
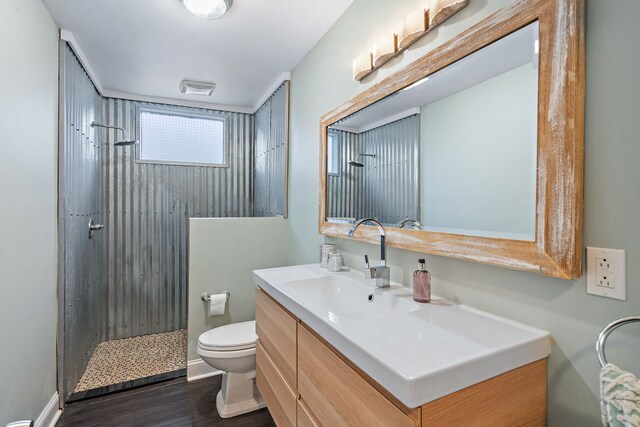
208	9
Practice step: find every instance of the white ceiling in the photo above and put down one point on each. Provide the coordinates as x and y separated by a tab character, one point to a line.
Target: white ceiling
146	48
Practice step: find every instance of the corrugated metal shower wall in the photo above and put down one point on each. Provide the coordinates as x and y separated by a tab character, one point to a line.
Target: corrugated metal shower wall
345	190
270	164
81	196
149	208
387	186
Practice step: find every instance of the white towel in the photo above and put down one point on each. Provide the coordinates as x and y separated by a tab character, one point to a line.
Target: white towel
620	397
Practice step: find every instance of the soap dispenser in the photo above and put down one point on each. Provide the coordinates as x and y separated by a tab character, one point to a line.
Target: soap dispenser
421	283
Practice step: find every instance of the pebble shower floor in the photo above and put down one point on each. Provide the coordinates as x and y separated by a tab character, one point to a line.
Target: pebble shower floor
119	361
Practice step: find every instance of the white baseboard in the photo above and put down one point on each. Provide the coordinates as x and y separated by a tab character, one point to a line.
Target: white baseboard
197	369
50	414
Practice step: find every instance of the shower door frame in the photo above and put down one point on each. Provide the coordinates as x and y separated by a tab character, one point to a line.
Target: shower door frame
80	117
60	229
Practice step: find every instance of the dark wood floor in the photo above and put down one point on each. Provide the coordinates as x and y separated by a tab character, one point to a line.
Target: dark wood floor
175	403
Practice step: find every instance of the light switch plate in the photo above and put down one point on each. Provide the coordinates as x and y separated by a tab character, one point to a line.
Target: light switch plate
606	273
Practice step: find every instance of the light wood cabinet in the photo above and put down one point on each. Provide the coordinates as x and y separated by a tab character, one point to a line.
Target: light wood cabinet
276	329
515	398
336	394
305	419
323	388
279	397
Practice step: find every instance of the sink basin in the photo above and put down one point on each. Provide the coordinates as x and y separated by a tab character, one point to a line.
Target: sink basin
338	297
418	352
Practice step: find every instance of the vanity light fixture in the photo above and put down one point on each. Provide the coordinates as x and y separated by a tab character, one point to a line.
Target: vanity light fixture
208	9
384	49
412	27
362	66
189	87
441	10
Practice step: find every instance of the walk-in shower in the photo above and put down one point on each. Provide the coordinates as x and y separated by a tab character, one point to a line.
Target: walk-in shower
122	320
123	292
378	179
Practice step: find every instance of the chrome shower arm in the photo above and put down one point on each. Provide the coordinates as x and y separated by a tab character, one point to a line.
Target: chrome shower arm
94	124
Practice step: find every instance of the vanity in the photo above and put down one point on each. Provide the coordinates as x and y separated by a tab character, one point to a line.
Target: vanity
334	350
474	151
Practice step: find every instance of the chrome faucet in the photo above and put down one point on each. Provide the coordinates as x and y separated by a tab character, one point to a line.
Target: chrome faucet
410	223
381	273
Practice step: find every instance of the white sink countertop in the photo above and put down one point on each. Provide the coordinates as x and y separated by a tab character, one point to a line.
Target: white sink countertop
418	352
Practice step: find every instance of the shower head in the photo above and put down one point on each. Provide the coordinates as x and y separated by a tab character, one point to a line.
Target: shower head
126	142
360	164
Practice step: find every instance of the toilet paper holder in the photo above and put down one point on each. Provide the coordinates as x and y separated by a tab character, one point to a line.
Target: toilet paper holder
206	297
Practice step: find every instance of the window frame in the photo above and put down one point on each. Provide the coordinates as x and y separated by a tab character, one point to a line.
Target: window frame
180	112
336	153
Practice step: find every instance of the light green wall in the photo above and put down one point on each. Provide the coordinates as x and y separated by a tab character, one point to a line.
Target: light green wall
322	81
480	145
223	252
28	165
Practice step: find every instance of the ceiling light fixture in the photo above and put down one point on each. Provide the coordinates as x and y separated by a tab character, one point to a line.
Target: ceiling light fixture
189	87
208	9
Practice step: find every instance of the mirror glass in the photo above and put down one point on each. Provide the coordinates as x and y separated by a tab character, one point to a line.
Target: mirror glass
454	152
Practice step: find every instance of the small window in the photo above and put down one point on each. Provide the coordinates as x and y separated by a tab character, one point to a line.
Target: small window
333	154
181	137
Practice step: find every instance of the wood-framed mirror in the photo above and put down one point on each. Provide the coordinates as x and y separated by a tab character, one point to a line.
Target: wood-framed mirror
477	147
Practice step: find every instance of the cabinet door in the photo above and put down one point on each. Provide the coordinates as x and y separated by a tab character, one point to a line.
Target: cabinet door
276	330
305	419
278	396
337	395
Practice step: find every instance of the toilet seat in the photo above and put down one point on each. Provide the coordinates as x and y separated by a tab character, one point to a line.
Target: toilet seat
229	338
229	354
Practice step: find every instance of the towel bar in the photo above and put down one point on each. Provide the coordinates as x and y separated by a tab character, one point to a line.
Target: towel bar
605	334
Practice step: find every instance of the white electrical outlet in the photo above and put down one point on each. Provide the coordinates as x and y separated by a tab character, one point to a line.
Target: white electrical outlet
606	273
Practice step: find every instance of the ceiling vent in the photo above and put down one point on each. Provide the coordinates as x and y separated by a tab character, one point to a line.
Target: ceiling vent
189	87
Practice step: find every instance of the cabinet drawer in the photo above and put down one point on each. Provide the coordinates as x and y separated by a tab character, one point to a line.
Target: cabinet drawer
336	394
305	419
276	330
515	398
278	396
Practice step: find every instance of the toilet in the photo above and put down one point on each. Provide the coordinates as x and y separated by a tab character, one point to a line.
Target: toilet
232	349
